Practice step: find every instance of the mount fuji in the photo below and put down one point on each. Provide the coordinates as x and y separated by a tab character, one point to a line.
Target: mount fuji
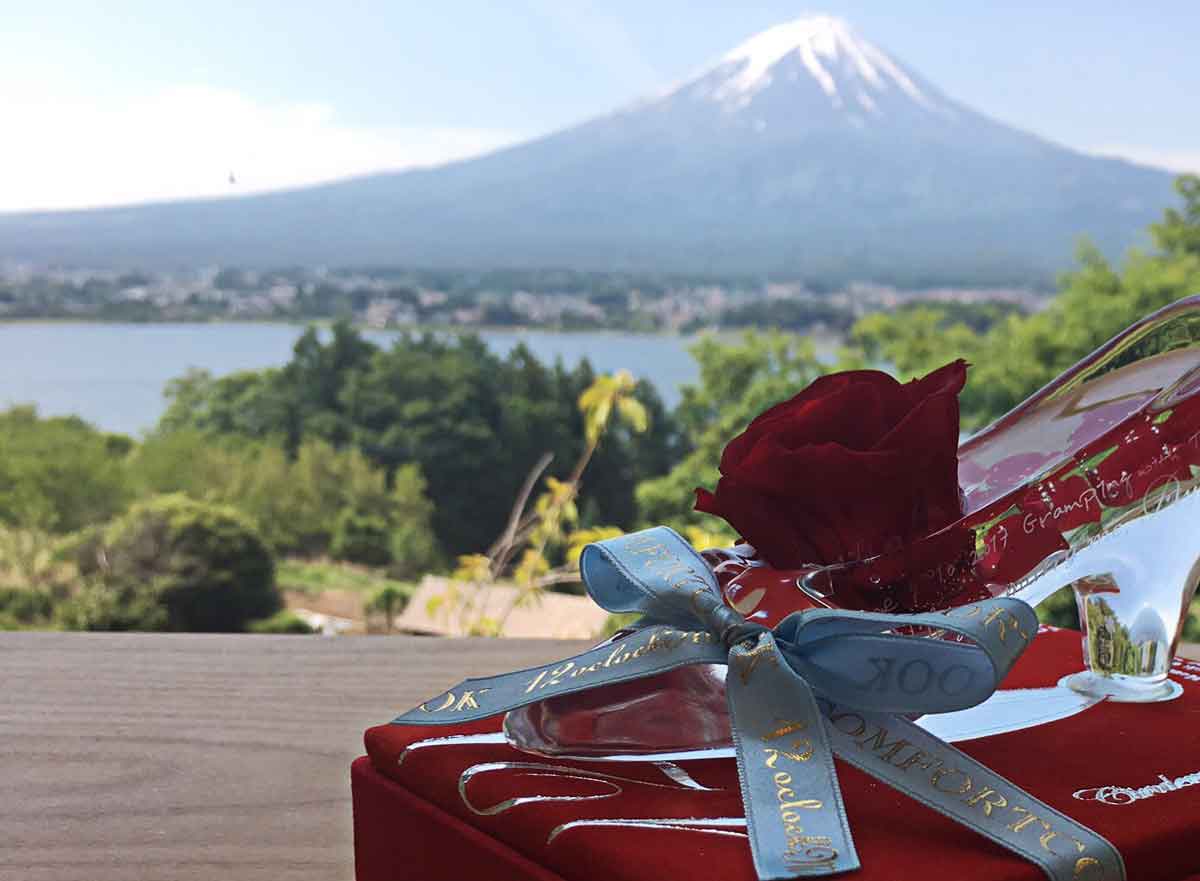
805	151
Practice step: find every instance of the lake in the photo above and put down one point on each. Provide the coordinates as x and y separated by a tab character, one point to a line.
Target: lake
113	375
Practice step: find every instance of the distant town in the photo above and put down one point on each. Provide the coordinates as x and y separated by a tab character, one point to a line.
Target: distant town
395	298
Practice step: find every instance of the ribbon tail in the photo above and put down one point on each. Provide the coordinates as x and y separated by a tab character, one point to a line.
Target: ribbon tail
912	760
644	653
794	814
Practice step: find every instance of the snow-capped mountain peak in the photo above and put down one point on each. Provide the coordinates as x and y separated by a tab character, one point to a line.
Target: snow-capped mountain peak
851	71
806	152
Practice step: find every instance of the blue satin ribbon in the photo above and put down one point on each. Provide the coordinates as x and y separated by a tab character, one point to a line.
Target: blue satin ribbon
823	682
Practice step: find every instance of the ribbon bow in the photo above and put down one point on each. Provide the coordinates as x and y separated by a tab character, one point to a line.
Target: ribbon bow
823	682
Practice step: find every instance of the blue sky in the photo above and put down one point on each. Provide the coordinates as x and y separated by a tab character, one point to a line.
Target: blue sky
129	100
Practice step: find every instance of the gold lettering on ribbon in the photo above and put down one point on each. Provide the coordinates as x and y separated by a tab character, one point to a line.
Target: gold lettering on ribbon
675	572
802	748
467	700
859	730
746	663
1047	834
884	750
457	703
785	729
623	652
1029	817
984	797
642	544
919	759
1005	619
801	848
879	744
992	802
1017	819
447	703
964	788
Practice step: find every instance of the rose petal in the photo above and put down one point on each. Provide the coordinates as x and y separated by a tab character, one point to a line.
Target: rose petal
855	417
773	527
856	465
825	469
798	410
948	379
931	426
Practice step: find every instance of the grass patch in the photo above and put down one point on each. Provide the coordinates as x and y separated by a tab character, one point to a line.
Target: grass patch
314	577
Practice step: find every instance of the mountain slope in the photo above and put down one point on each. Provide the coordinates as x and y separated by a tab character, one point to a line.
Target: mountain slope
804	151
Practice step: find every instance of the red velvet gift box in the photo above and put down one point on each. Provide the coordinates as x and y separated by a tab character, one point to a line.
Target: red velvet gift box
449	804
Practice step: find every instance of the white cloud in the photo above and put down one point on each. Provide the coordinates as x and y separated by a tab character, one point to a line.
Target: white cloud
180	142
1172	160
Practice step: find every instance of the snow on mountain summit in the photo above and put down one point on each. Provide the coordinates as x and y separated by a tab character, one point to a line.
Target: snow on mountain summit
852	72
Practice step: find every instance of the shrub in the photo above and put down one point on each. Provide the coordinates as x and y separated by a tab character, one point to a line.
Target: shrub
388	601
294	501
27	557
24	605
101	605
361	538
173	563
84	549
283	621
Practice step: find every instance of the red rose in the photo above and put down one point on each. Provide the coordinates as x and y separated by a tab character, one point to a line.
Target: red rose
854	466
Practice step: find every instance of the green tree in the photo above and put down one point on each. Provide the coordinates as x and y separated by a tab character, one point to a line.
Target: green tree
172	563
323	482
359	537
465	416
908	342
316	378
414	549
250	404
539	547
187	461
1178	234
58	474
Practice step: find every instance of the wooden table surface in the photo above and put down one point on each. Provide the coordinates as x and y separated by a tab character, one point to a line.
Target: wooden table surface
177	757
222	758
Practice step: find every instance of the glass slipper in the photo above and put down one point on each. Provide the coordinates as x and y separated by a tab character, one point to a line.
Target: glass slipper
1114	514
1089	483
